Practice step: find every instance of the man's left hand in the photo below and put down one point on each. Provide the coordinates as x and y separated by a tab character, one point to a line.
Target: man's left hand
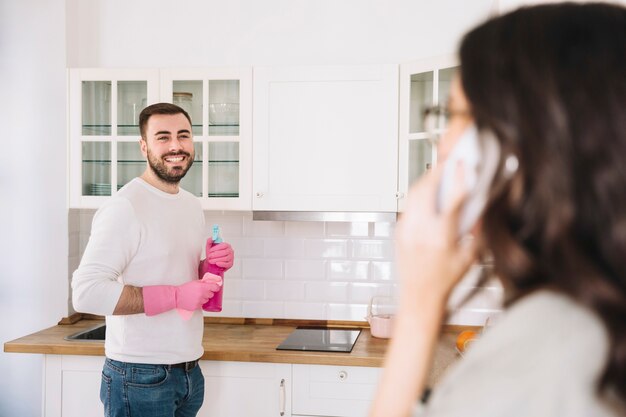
221	254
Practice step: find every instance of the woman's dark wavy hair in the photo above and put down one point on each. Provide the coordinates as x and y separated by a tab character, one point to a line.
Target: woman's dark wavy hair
550	82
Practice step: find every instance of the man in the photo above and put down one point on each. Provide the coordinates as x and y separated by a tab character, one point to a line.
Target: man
140	266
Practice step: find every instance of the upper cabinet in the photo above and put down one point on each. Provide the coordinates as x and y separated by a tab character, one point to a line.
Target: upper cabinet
219	102
422	84
325	138
104	132
104	108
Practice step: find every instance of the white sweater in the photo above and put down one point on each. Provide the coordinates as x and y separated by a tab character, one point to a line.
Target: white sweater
140	237
542	358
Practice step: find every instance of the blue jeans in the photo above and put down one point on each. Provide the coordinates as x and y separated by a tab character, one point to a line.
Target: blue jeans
142	390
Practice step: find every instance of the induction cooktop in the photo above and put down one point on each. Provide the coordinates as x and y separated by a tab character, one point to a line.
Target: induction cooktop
321	339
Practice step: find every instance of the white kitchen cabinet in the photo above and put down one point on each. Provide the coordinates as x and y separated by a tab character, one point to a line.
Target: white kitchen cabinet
325	138
72	388
341	391
422	84
248	389
104	106
219	102
251	389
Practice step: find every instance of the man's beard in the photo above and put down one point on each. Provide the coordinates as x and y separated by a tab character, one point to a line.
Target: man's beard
169	175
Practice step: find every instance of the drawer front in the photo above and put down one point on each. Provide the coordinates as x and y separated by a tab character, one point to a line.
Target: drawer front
342	391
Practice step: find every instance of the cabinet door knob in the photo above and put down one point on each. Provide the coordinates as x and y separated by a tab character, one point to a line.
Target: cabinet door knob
343	375
259	194
399	194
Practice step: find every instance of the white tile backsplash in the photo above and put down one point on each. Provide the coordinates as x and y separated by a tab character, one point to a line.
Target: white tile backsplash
383	229
310	311
355	312
284	290
73	221
235	271
382	271
263	309
230	225
372	249
262	228
247	247
230	308
348	270
347	229
303	269
73	243
85	219
362	292
304	229
284	248
334	292
326	248
308	270
262	268
239	289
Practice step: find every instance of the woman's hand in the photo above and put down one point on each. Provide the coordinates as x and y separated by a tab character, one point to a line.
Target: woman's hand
431	258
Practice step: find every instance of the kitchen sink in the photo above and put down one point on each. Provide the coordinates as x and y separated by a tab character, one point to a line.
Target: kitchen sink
93	334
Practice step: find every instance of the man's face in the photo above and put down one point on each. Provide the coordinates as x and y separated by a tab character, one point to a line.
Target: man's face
168	146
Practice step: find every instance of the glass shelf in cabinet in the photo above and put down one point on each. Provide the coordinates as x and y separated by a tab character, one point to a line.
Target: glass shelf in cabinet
105	130
96	130
223	130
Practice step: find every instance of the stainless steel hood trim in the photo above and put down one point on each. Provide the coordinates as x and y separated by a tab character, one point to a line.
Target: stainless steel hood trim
325	216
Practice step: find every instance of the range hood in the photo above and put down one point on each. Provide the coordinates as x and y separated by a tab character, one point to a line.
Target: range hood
325	216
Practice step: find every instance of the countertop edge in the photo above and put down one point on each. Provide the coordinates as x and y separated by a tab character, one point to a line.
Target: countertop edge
367	352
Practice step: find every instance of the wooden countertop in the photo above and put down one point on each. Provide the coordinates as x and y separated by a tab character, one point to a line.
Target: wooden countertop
241	340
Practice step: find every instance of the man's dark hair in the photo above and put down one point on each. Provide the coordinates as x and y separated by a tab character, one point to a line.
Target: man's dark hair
158	108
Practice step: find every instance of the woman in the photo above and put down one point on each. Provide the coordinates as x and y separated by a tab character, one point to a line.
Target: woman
549	83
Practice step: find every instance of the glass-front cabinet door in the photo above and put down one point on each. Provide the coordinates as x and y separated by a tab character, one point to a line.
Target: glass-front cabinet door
422	84
218	101
104	109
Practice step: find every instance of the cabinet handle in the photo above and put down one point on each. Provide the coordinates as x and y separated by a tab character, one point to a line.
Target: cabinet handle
259	194
399	195
343	375
281	393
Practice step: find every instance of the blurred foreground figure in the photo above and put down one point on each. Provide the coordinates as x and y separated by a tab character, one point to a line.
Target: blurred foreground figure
547	84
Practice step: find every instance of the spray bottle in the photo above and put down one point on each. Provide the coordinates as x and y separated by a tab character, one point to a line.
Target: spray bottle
215	302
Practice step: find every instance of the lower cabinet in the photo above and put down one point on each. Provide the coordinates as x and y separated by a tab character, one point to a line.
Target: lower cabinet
246	389
341	391
232	389
72	386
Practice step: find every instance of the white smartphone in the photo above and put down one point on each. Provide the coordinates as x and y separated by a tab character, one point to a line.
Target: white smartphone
480	153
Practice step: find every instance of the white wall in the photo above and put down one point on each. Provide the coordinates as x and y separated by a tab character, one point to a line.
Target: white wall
146	33
33	209
151	33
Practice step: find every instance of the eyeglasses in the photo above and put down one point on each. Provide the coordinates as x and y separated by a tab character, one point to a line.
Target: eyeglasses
436	119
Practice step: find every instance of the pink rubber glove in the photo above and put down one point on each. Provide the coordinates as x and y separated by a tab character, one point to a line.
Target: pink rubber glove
190	296
221	254
209	278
